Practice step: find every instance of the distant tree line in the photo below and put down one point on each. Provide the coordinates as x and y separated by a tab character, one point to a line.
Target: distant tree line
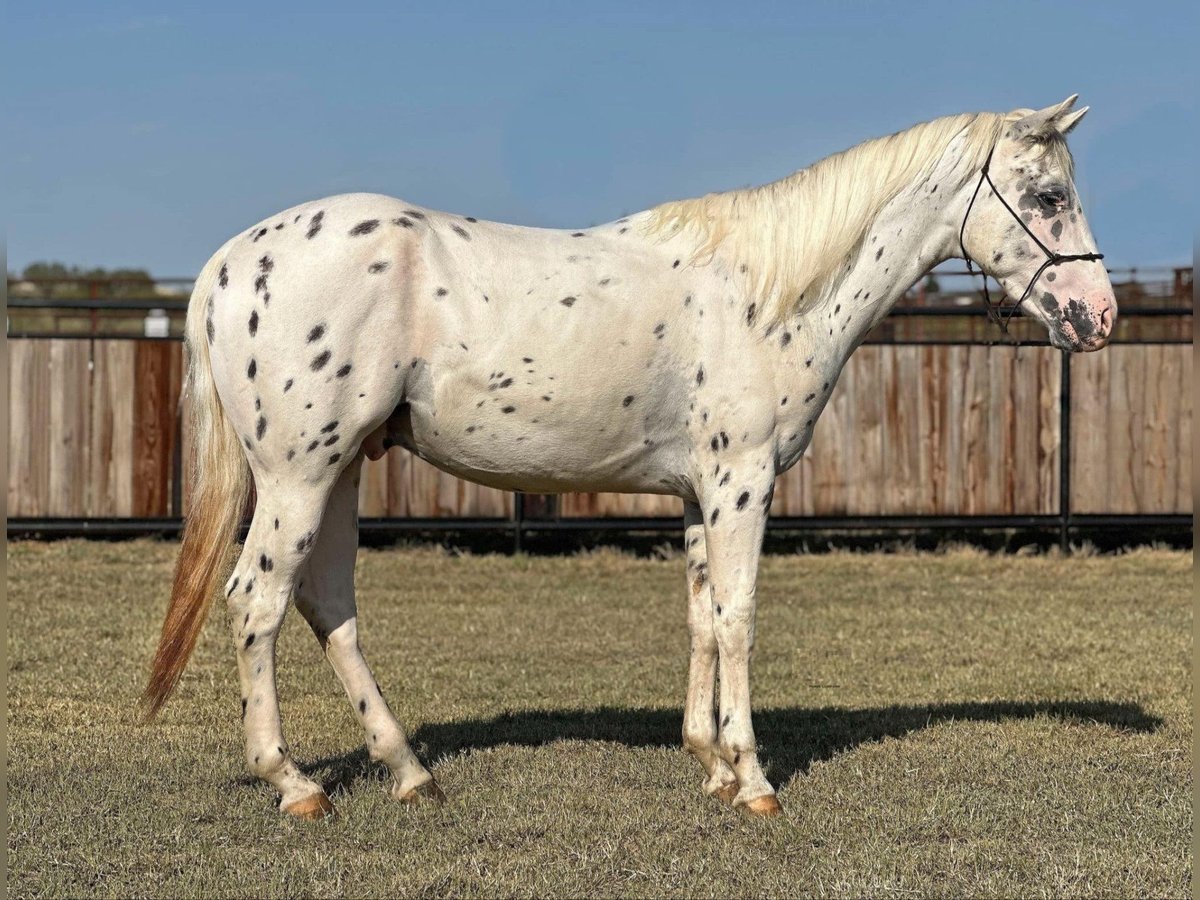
74	280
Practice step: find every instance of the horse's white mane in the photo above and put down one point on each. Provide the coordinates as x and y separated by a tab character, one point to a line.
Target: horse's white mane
796	235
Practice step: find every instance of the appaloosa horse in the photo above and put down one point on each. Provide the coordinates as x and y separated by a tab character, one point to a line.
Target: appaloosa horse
685	350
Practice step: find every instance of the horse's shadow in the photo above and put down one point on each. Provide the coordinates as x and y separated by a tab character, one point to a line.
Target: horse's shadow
791	738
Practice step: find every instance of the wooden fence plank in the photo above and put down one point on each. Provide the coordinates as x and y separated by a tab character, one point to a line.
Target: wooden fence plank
975	430
373	488
1118	452
28	428
70	396
154	409
1021	470
872	491
998	444
178	375
832	450
927	430
112	429
1158	407
953	388
902	441
1183	458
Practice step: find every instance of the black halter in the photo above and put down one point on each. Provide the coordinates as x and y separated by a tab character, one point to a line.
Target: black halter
995	311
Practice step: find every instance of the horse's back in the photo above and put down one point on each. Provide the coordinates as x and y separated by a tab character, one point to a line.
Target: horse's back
524	357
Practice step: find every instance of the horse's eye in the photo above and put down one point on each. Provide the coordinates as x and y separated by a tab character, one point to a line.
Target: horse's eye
1052	199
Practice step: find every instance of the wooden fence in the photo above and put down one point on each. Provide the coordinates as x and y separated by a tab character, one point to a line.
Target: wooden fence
914	430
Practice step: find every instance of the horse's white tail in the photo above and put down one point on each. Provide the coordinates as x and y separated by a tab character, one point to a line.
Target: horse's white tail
220	487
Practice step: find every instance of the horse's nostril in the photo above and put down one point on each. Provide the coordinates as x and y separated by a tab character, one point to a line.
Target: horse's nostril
1106	317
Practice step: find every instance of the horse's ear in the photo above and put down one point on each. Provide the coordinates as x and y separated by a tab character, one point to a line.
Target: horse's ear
1042	121
1070	120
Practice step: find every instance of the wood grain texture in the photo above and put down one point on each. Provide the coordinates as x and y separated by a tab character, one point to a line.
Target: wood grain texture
154	406
111	413
1131	440
28	428
69	448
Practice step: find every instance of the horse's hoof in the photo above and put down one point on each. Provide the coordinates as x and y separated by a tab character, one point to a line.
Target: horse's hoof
427	792
764	807
312	808
726	793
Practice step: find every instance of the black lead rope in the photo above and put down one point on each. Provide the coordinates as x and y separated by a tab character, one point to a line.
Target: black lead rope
995	311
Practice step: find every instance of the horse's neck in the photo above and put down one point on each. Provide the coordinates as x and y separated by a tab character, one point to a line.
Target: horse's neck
911	235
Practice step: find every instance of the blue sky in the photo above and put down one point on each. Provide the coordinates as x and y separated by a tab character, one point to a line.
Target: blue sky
145	134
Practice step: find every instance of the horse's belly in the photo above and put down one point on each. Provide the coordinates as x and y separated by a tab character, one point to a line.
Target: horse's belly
519	442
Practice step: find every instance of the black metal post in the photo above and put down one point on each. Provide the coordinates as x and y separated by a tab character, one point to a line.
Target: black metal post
1064	455
518	521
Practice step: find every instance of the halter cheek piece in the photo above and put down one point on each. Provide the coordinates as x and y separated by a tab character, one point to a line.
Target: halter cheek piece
995	311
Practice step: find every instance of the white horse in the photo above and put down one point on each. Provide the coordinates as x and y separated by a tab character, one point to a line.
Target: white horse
685	350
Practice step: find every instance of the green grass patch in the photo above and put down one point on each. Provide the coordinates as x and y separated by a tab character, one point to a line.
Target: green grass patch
937	724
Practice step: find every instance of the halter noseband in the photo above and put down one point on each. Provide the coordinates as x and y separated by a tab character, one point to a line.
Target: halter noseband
995	311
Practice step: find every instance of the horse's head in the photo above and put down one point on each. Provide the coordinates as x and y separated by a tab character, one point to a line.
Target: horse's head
1027	197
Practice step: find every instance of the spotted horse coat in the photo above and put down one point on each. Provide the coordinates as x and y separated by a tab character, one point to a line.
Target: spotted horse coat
640	356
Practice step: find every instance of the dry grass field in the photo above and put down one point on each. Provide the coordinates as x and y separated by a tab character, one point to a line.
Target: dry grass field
948	724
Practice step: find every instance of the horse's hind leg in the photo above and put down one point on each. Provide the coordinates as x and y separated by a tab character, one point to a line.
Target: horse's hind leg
699	714
286	518
326	599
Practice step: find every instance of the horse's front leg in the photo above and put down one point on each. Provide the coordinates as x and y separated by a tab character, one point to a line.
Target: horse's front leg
699	714
735	515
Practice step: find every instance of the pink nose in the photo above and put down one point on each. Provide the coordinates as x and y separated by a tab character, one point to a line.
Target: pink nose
1106	319
1101	337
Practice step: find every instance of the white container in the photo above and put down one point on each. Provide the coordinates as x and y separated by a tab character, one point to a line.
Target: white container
157	324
